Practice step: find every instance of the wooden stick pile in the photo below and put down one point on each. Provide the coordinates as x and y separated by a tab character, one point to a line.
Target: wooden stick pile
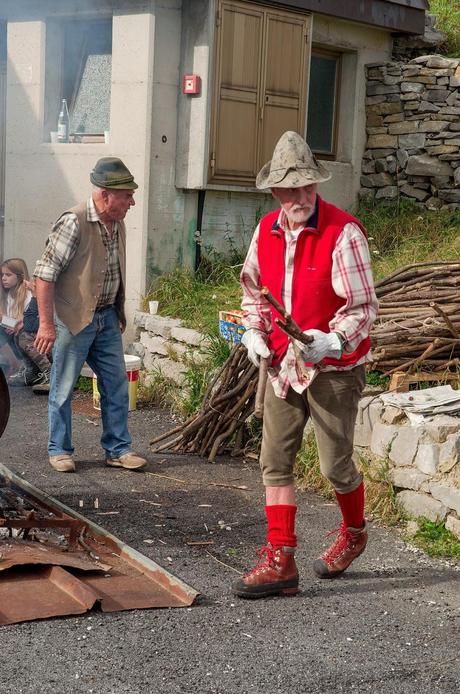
418	325
236	392
226	406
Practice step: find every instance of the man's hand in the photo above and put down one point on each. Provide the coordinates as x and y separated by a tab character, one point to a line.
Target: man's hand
256	344
45	339
324	345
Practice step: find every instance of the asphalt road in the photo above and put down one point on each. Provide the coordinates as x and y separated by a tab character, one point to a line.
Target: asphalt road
391	624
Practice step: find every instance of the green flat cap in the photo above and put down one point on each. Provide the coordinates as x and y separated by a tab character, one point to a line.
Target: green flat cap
110	172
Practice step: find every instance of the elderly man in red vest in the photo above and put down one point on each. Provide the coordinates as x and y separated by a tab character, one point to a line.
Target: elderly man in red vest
314	259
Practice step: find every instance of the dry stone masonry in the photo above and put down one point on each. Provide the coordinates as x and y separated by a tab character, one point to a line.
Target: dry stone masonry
165	346
413	128
424	459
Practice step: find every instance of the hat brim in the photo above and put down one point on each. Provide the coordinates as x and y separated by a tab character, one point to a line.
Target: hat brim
123	185
291	178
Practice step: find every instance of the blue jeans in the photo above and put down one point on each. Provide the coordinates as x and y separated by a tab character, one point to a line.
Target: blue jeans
100	345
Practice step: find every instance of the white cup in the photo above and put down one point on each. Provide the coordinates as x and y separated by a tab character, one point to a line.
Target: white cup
153	306
54	136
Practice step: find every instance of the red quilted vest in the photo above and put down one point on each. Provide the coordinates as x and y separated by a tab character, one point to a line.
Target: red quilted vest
314	302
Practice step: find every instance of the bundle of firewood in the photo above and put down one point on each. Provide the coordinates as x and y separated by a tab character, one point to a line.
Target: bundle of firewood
234	394
418	325
227	404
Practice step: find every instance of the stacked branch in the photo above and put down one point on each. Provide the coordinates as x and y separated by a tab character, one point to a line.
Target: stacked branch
227	404
418	325
236	392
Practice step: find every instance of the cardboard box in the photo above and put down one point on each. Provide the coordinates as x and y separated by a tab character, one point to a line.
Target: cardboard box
231	325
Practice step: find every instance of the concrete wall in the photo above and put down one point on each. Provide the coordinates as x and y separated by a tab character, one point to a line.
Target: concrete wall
160	133
230	213
43	179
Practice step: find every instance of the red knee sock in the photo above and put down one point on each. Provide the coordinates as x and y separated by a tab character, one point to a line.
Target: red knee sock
281	525
352	507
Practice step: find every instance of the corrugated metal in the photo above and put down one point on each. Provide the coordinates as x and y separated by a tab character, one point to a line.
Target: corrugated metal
37	567
406	16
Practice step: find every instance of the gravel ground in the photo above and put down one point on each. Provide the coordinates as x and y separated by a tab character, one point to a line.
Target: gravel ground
391	624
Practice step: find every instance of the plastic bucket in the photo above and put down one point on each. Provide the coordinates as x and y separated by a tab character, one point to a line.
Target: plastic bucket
133	365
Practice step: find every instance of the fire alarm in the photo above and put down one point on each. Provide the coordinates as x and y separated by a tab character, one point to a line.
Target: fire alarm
191	84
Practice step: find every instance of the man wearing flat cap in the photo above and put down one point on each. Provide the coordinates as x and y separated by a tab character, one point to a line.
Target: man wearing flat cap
314	260
80	285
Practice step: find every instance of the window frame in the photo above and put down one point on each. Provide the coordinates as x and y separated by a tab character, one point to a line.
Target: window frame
56	28
323	52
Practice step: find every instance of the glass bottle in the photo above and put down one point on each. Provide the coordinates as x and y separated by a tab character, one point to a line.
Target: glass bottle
63	122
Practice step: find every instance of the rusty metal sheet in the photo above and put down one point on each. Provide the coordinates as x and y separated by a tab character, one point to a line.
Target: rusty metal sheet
95	567
41	593
15	552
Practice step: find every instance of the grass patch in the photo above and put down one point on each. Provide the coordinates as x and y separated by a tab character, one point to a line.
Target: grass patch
401	233
448	20
197	299
436	540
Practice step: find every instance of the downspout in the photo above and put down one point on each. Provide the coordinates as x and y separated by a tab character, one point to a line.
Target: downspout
199	223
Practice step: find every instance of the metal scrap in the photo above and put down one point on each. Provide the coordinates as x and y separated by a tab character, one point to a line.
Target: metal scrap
53	562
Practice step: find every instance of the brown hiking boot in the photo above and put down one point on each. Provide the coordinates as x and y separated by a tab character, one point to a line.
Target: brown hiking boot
350	543
276	575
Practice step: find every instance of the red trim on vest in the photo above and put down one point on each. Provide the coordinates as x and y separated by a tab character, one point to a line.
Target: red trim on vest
314	302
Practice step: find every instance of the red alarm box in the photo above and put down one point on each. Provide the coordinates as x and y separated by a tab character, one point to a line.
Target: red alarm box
191	84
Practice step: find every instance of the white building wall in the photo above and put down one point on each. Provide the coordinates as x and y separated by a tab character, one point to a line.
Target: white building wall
43	179
161	134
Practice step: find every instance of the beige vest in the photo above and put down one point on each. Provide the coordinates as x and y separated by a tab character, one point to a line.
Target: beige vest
79	286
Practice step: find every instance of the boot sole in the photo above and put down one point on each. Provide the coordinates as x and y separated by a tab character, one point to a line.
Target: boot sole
252	594
125	467
334	574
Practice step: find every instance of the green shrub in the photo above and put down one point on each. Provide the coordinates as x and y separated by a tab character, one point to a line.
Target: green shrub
448	20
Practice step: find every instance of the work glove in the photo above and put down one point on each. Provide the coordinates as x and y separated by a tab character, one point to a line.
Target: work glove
255	342
323	345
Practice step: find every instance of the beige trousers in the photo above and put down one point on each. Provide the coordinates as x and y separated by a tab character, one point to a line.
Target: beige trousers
332	403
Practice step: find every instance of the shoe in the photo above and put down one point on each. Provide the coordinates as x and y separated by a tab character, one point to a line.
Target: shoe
26	376
63	462
18	378
42	382
275	575
130	461
350	543
31	374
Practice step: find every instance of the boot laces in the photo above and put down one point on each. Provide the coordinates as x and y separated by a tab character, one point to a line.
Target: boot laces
265	558
341	543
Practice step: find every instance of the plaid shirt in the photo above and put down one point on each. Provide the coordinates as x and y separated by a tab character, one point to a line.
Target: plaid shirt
62	244
351	279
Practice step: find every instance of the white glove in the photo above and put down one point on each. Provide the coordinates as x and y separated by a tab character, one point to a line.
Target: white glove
324	345
256	344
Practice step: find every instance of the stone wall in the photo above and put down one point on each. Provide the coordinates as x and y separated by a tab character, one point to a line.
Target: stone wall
424	460
413	128
165	346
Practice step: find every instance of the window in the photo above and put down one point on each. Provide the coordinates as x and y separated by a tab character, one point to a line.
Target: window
323	106
260	87
79	69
